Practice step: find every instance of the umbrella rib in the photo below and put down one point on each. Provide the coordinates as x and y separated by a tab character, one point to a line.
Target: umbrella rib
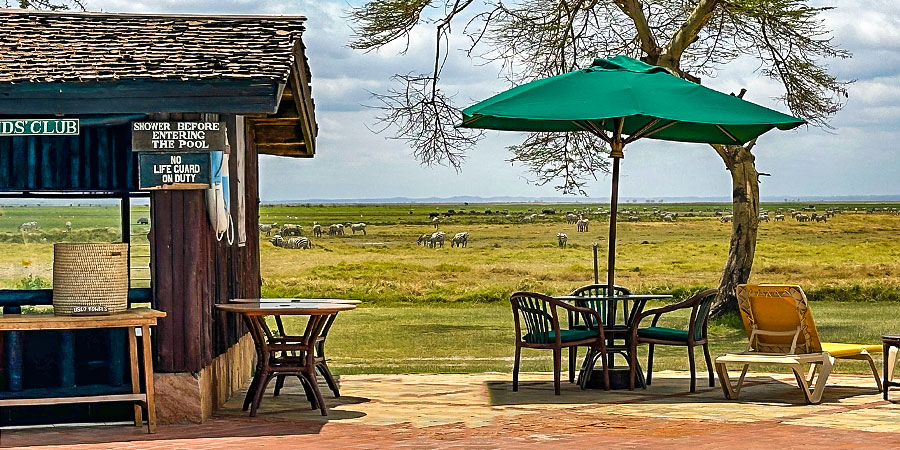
640	132
730	136
672	122
592	128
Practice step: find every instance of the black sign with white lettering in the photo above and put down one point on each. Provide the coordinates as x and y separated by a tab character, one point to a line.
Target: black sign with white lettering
177	136
173	171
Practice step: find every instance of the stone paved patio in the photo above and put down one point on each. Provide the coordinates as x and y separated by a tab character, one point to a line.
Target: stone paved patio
481	411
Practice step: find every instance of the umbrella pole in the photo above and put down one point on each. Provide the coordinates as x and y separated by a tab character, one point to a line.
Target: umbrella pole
613	212
616	145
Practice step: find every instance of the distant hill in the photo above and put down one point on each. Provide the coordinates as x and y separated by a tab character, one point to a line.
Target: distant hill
572	199
462	199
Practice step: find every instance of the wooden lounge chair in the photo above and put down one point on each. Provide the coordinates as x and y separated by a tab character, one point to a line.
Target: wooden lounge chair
695	335
590	293
781	330
539	313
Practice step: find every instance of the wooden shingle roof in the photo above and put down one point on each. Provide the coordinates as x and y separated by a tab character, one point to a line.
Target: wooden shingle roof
68	46
71	63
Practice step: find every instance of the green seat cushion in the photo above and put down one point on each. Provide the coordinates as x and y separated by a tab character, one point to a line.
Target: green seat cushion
667	334
565	336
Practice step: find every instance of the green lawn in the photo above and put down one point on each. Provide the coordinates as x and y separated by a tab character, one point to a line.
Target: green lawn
478	338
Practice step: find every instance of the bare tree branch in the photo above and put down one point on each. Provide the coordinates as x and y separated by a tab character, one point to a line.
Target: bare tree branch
423	117
687	34
635	11
573	158
52	5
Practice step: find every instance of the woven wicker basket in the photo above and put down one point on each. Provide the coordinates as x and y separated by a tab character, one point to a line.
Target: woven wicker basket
90	274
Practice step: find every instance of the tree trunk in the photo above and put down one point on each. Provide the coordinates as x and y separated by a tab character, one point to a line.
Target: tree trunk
745	223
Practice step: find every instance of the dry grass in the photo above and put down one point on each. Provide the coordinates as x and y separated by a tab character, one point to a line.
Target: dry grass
831	259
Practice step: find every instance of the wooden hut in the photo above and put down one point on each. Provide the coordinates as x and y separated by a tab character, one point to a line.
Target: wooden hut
110	70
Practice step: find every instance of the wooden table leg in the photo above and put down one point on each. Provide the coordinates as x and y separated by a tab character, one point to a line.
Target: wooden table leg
135	374
148	379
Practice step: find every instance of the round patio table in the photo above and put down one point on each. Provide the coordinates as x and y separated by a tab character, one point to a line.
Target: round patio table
276	355
613	330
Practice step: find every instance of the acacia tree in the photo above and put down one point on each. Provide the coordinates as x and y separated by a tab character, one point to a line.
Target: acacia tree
532	39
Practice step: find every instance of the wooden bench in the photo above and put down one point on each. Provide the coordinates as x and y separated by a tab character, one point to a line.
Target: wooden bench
133	319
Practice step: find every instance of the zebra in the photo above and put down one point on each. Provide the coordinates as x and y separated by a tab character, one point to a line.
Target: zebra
779	217
437	238
358	227
424	239
290	229
336	229
265	228
571	218
561	239
296	242
317	229
28	226
460	239
726	219
582	225
68	226
529	218
436	221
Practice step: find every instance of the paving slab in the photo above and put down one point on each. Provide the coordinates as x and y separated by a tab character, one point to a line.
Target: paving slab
481	411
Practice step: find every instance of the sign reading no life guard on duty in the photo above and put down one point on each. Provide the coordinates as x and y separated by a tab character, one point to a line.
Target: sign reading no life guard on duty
177	136
173	171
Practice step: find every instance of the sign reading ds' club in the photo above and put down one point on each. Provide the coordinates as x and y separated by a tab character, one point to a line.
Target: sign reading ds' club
39	127
177	136
173	171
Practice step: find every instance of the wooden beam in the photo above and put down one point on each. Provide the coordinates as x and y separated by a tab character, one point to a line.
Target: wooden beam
125	97
299	79
296	149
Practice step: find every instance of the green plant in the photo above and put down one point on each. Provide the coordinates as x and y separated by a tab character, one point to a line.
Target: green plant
32	282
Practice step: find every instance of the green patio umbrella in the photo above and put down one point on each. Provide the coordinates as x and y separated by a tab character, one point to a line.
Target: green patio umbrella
621	100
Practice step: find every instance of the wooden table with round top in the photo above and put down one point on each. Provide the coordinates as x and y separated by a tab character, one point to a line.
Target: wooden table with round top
283	355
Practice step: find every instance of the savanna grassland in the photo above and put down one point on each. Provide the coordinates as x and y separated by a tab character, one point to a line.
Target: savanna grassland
853	253
446	309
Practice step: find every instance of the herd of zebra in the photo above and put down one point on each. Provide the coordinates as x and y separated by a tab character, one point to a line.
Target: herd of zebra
291	235
798	215
436	239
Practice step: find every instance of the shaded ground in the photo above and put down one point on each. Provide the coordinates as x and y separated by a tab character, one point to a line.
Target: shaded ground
481	411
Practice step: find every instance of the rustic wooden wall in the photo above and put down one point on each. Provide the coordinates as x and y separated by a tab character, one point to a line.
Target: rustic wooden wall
191	271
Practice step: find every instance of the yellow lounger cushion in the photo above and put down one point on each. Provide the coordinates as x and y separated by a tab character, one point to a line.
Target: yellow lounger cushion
845	350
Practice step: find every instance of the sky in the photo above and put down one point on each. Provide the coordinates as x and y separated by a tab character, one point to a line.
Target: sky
857	157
